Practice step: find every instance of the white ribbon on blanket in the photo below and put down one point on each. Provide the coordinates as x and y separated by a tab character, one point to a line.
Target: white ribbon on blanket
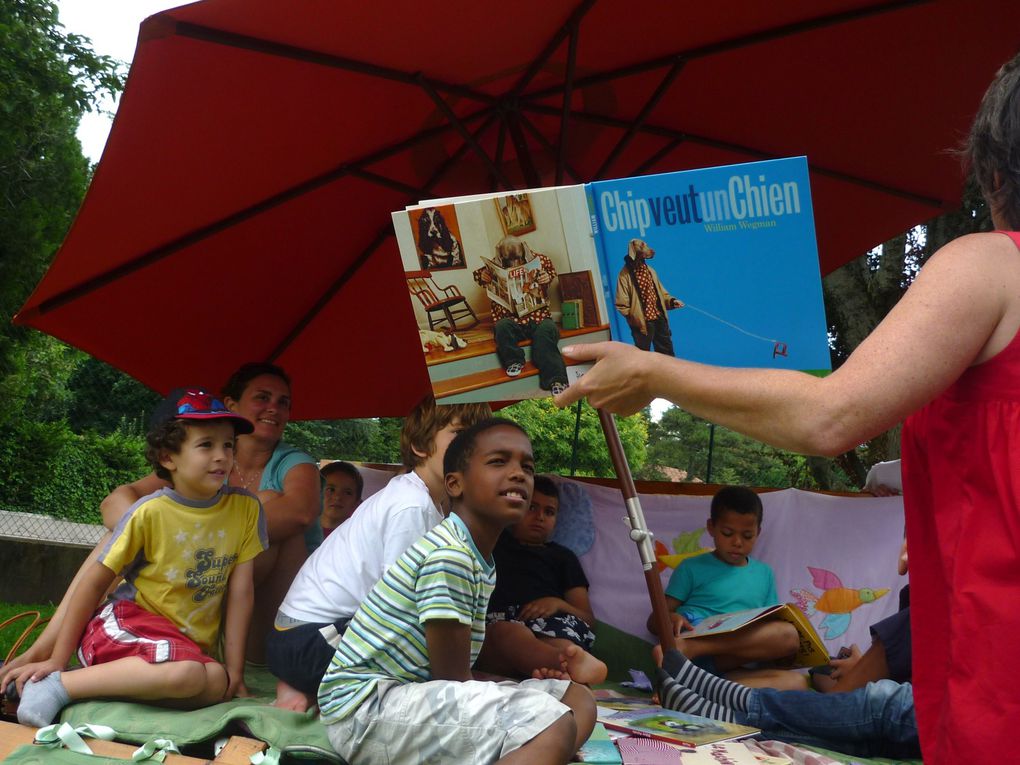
62	734
155	750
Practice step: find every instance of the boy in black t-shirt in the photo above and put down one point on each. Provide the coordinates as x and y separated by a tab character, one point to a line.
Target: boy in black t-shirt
539	612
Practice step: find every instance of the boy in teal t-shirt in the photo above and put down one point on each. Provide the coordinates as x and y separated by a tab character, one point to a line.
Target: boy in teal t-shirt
727	580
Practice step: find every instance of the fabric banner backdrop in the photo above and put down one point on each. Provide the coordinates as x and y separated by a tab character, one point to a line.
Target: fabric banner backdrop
835	556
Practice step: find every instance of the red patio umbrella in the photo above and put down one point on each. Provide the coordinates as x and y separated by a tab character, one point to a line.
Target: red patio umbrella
240	209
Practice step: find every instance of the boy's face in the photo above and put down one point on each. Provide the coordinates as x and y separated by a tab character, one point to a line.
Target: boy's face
539	521
734	535
339	496
200	468
433	464
497	484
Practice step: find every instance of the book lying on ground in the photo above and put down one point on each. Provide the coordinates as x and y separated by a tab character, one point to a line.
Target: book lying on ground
812	651
726	753
599	748
725	255
673	727
610	699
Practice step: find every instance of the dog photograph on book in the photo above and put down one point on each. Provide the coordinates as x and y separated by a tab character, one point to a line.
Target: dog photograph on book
492	330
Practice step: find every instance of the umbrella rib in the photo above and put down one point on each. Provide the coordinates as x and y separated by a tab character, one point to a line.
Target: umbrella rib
547	145
651	129
787	30
568	94
304	55
656	157
449	162
642	117
335	287
158	253
512	120
460	127
536	65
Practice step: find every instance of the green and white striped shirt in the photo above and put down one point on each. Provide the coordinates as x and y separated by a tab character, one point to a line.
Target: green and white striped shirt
441	576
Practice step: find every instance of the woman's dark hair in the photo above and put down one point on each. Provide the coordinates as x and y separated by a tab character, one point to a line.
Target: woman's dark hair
235	386
992	151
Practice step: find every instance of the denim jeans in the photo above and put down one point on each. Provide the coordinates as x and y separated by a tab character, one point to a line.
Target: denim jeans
874	721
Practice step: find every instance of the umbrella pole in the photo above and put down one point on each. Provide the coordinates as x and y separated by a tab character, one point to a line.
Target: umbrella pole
638	530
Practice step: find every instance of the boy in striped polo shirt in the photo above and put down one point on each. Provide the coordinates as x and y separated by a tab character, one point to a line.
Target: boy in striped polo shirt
399	688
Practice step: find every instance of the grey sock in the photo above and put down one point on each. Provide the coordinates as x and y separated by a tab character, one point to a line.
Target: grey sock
42	701
674	696
717	689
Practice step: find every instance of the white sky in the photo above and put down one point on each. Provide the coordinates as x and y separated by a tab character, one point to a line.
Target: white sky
112	26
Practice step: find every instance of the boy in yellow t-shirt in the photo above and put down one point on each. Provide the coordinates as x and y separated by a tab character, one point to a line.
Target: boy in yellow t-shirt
186	554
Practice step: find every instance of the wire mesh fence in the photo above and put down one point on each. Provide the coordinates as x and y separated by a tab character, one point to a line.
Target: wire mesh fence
31	527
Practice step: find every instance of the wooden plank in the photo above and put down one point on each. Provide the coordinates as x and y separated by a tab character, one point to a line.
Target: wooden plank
237	751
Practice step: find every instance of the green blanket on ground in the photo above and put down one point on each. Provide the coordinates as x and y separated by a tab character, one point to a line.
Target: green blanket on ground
297	736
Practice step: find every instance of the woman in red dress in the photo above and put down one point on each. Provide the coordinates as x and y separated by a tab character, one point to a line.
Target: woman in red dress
946	358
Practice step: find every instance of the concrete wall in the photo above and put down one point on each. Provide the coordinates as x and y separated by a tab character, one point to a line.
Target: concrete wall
37	572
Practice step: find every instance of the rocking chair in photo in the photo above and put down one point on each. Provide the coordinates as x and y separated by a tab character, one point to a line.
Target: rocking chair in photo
447	301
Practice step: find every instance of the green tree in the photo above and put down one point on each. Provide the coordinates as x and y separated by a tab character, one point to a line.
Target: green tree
552	435
680	440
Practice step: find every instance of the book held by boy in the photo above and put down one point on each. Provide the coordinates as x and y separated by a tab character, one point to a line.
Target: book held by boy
810	653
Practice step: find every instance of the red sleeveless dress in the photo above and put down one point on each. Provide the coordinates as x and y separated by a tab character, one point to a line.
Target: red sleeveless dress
961	493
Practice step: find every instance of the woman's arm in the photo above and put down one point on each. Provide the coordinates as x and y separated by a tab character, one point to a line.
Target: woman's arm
961	309
238	607
120	500
293	510
449	646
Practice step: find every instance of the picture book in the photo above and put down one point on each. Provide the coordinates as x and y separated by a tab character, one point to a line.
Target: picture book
717	265
609	699
724	753
673	727
724	257
599	748
518	289
649	751
812	651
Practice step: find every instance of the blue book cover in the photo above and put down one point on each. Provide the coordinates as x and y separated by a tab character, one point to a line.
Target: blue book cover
727	258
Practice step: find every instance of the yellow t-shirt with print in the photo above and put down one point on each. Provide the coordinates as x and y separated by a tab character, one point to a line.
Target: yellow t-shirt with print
176	555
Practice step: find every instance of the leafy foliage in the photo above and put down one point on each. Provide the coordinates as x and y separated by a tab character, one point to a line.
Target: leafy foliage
364	440
552	435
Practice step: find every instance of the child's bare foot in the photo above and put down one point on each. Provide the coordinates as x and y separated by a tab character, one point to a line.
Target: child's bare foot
583	667
548	673
292	698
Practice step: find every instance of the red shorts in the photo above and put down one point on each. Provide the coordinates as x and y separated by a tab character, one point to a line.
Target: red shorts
123	628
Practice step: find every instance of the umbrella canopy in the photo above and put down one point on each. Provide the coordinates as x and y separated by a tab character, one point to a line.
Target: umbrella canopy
240	210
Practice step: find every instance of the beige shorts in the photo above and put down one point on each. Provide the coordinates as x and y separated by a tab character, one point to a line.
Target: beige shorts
442	721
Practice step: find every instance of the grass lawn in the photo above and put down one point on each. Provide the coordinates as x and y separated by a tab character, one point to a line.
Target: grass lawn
10	633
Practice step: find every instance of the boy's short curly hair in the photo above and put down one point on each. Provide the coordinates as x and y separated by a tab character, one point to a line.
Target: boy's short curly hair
427	419
459	452
164	438
738	499
546	485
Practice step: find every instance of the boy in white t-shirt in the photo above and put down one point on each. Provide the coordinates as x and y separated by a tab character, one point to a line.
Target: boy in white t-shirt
338	576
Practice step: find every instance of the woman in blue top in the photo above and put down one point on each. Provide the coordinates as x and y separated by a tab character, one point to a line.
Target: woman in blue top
285	479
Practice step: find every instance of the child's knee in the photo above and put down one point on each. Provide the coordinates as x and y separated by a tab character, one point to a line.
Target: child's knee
786	638
185	679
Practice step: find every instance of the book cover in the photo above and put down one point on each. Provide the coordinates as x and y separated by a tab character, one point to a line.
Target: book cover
673	727
648	751
599	748
727	255
724	753
810	653
471	262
